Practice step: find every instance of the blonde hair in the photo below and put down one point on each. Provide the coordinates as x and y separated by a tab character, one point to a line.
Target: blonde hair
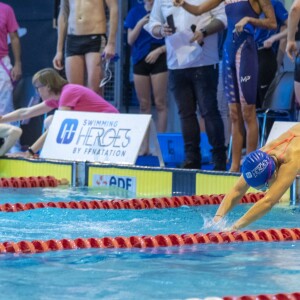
49	77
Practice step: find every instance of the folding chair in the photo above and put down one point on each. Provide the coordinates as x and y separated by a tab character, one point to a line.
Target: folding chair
279	103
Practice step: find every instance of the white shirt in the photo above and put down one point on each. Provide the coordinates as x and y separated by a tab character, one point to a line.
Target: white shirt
183	21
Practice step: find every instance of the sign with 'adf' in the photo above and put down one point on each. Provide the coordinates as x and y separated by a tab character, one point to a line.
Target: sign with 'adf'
97	137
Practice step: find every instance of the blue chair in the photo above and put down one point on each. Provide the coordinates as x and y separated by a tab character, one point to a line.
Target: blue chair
279	103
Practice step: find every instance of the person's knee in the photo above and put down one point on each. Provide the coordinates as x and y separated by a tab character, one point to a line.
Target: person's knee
19	131
235	115
161	105
48	121
249	113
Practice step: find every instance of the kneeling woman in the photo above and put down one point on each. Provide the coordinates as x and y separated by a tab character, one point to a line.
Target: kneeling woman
56	92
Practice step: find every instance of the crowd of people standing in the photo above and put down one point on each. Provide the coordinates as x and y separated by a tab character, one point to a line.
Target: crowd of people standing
175	53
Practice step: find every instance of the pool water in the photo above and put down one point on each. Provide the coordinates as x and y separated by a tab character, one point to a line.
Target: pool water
195	271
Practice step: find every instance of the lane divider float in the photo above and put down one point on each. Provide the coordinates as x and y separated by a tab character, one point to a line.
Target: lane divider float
143	203
148	241
31	182
281	296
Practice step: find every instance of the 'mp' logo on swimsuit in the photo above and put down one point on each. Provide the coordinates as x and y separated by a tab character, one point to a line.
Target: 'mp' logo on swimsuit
245	78
67	131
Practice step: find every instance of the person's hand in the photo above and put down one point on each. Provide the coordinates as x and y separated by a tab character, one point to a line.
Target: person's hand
108	52
152	57
268	43
198	37
166	30
178	2
58	61
16	72
217	218
19	154
232	228
291	49
144	20
239	26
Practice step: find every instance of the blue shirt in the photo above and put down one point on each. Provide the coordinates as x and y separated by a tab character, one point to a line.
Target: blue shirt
143	43
261	34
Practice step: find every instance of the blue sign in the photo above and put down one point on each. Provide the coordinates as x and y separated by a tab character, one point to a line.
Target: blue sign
67	131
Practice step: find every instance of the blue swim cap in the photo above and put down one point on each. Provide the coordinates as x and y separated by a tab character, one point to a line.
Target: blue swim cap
258	167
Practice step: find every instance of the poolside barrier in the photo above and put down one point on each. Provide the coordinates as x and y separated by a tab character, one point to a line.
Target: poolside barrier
143	203
31	182
170	240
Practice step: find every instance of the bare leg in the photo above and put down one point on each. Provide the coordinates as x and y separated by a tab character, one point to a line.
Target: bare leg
249	115
159	86
75	69
142	86
94	71
237	129
297	92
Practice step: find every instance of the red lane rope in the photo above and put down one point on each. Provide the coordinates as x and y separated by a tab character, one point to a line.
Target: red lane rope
143	203
148	241
31	182
281	296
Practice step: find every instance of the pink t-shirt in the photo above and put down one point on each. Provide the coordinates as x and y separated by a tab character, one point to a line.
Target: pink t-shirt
80	98
8	24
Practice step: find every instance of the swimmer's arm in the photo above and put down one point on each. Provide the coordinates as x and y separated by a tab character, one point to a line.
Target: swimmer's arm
198	10
232	199
286	175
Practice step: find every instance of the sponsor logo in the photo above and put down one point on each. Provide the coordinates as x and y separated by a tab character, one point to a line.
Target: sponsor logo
67	131
123	182
260	168
245	78
248	175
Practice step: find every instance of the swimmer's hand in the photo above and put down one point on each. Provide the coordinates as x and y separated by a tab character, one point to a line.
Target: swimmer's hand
218	223
217	218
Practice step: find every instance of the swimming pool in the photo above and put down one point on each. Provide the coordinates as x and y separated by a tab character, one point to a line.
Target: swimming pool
191	271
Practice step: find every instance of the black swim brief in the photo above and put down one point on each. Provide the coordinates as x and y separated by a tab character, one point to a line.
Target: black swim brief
83	44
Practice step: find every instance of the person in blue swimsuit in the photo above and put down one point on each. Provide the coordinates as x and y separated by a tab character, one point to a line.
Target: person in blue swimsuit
240	65
273	168
150	71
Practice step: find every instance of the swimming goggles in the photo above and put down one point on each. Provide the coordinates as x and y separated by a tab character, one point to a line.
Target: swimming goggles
107	71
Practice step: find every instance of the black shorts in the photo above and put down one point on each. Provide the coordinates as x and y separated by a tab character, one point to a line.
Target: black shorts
83	44
146	69
297	68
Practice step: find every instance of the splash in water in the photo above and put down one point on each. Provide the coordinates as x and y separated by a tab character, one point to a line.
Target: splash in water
210	225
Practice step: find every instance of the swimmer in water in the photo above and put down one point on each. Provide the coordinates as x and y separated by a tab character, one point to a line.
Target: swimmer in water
271	169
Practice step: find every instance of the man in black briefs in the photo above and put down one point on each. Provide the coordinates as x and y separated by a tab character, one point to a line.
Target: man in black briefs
82	28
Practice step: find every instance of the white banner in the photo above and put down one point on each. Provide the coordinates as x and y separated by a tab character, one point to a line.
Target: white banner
96	137
279	128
